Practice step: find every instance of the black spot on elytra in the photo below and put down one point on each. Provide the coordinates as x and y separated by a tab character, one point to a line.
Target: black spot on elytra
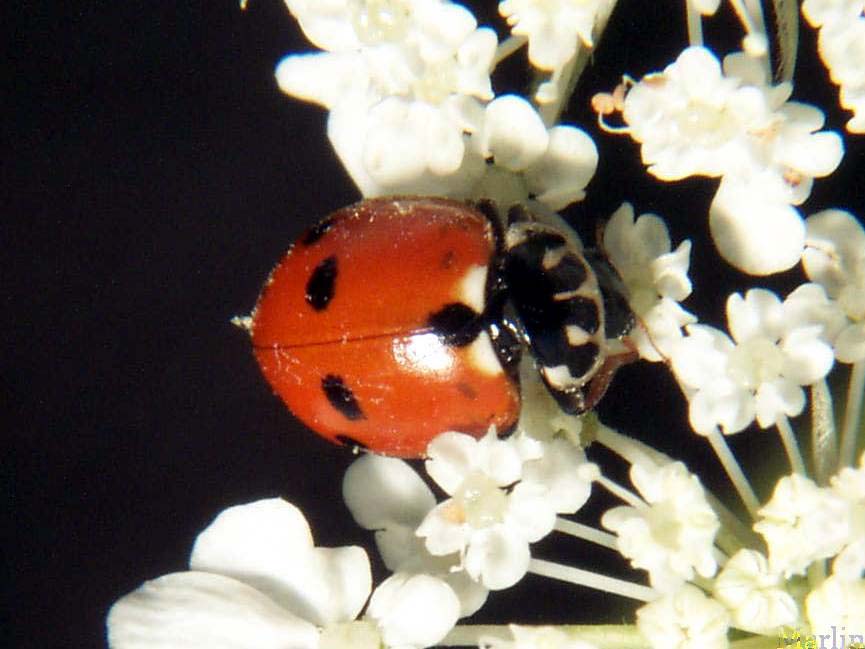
319	288
317	231
467	390
341	397
456	323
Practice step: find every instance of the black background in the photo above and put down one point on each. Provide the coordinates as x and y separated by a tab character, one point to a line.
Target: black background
152	174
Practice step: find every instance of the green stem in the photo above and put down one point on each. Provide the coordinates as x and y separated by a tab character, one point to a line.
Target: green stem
824	435
850	431
593	580
695	24
734	472
586	532
791	445
603	636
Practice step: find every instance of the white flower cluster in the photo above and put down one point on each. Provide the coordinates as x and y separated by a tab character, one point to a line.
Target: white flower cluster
774	348
412	111
802	524
503	495
842	48
255	579
555	29
696	119
834	259
759	372
672	533
655	277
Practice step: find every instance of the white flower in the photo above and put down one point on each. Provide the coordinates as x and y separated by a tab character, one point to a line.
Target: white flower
788	522
268	544
728	383
559	177
553	165
564	473
201	610
809	304
553	27
754	594
673	536
513	134
850	562
538	637
773	355
257	581
413	610
690	118
486	526
841	44
386	495
403	82
656	279
854	99
837	604
685	619
489	523
694	119
714	398
849	485
819	12
835	258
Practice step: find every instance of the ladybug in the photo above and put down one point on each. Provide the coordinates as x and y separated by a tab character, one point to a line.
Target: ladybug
395	319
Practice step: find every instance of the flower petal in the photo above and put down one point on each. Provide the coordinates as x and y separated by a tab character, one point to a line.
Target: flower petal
513	133
814	154
267	544
497	557
807	359
530	510
759	313
413	610
777	398
198	610
326	23
382	490
322	77
850	344
757	236
451	456
560	176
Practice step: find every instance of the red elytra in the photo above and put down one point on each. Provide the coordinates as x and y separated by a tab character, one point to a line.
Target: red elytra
343	333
